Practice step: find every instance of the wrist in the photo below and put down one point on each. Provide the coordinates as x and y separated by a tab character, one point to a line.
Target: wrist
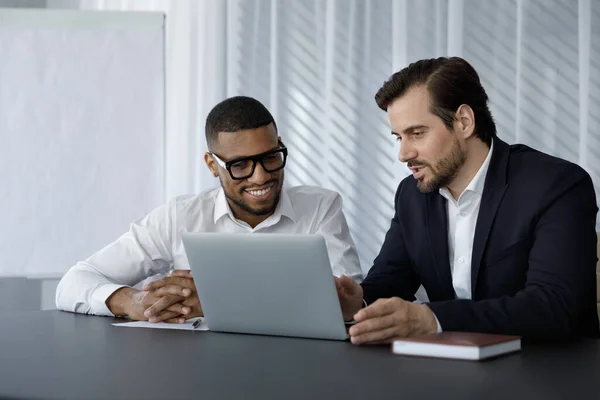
119	303
429	320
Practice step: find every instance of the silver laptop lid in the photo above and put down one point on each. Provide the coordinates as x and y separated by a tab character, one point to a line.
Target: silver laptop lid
274	284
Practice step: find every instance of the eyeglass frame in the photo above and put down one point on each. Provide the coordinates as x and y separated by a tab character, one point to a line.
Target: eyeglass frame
255	158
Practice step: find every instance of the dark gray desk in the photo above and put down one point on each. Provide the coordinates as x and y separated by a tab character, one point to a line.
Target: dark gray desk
58	355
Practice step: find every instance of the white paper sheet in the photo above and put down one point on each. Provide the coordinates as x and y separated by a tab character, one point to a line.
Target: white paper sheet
188	326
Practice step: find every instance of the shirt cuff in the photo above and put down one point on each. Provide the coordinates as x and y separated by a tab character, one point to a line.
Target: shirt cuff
439	326
98	303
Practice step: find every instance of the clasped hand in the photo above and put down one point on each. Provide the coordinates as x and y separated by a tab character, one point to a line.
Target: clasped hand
175	298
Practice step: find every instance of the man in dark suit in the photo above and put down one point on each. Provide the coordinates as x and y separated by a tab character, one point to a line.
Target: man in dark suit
501	237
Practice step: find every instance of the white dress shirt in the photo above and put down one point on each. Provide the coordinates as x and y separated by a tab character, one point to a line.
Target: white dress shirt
153	244
462	219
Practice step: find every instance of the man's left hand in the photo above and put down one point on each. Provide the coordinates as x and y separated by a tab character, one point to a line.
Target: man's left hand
174	285
388	319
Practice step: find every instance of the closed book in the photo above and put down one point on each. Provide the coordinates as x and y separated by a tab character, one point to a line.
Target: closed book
457	345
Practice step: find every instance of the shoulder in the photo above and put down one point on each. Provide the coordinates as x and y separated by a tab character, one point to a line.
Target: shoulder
408	191
312	194
532	168
313	200
204	200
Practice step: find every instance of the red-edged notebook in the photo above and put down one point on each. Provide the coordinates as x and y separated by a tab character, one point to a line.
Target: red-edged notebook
457	345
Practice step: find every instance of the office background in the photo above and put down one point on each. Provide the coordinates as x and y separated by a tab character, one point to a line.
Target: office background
317	65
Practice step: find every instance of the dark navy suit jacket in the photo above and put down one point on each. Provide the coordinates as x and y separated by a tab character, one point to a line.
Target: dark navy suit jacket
533	269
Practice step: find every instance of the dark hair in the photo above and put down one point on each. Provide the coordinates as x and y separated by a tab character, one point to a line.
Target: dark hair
236	114
450	82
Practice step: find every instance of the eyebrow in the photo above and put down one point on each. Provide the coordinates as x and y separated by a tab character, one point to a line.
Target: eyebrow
239	158
409	129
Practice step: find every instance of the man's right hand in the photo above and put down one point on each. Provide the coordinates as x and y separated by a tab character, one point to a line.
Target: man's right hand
175	284
350	294
133	303
182	273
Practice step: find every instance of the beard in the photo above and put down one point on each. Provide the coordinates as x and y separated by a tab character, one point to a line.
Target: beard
445	170
256	211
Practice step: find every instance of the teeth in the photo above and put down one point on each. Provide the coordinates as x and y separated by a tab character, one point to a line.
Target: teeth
259	192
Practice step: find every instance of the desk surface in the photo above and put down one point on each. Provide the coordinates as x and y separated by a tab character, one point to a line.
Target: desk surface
52	354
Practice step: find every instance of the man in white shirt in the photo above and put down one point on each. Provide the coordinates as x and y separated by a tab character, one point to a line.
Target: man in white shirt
248	157
501	237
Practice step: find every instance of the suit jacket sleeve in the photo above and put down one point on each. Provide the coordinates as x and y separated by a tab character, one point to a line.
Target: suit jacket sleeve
392	273
562	262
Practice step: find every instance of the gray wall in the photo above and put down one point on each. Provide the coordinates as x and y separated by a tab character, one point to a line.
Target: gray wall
23	294
23	3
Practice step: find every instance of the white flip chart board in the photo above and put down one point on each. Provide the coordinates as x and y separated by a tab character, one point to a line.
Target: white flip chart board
81	132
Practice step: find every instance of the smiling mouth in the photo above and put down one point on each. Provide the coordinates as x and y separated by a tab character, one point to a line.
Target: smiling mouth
260	193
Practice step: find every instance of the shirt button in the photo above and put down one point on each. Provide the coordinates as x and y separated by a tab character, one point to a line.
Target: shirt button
461	260
461	214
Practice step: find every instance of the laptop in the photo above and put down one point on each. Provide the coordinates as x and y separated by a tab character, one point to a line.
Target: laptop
267	284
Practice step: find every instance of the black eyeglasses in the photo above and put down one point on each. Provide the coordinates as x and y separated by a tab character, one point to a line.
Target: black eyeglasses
243	168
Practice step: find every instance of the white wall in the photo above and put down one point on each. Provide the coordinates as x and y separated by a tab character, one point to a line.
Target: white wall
21	294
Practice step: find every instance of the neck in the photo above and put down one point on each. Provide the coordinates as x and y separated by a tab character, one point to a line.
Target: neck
477	151
241	213
250	219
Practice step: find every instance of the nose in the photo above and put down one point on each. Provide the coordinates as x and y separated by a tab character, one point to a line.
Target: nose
260	176
407	152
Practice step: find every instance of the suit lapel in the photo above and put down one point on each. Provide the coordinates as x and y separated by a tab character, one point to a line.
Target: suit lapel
437	224
493	191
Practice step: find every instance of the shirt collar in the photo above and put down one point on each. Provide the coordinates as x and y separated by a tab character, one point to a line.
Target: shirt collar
221	206
284	207
478	182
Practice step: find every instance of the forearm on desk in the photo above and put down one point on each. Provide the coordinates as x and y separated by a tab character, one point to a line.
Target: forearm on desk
534	314
84	290
119	302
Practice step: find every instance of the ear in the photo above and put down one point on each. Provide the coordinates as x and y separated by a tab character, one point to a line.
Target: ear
465	121
211	164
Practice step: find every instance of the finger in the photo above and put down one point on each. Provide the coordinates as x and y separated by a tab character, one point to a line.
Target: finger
192	301
163	316
196	307
181	273
170	280
342	288
177	320
162	304
338	285
180	309
195	314
376	337
172	289
149	287
378	309
373	325
349	285
172	311
183	282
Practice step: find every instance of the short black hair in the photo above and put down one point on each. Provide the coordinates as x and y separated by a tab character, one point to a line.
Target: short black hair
450	83
236	114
